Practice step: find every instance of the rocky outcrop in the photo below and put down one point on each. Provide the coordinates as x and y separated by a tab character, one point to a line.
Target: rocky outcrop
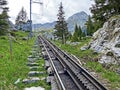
107	41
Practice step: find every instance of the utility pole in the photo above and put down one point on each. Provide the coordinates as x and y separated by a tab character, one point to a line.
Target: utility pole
30	18
37	2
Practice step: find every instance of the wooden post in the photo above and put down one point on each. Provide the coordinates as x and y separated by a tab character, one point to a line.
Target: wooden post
10	41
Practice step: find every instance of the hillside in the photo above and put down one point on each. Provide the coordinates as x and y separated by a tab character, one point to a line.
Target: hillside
45	26
78	18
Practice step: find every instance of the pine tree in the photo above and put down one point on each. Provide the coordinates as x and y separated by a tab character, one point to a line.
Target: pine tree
3	17
79	33
75	34
102	10
83	35
21	18
90	27
61	26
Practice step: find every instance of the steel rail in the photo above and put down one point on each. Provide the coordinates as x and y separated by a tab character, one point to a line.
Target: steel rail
76	65
61	87
94	81
81	87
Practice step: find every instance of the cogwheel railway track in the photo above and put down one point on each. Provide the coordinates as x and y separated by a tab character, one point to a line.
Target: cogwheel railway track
68	73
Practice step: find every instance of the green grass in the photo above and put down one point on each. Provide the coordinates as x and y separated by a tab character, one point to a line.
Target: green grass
75	49
107	74
110	75
11	70
16	68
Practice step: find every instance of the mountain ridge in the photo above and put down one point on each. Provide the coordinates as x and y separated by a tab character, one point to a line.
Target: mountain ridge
79	18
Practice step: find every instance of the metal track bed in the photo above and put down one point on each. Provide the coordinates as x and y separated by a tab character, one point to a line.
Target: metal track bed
67	71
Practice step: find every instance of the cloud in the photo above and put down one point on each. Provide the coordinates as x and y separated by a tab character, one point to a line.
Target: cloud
50	8
70	7
38	19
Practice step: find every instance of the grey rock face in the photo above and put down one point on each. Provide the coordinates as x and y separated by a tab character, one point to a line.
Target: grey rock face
107	41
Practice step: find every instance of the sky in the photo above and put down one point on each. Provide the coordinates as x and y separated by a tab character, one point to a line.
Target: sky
48	11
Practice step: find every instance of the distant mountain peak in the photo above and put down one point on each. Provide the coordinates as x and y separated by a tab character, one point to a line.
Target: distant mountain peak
79	18
82	12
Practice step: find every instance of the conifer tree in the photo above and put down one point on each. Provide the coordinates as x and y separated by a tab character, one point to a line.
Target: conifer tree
61	26
75	34
102	10
90	27
3	17
21	18
83	35
79	33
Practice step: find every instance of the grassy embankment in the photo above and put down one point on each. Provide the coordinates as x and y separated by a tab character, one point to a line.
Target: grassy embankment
89	59
11	70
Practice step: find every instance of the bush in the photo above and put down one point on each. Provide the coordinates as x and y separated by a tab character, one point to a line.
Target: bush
3	37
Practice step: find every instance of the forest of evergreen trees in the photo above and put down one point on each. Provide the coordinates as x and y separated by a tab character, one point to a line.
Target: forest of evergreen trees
78	34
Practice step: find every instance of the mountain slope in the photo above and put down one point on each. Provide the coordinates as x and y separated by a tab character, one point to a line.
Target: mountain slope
78	18
11	25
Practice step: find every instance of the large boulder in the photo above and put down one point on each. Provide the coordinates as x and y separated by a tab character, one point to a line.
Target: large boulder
106	40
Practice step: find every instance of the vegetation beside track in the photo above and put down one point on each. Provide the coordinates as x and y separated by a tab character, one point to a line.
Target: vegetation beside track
88	58
12	69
